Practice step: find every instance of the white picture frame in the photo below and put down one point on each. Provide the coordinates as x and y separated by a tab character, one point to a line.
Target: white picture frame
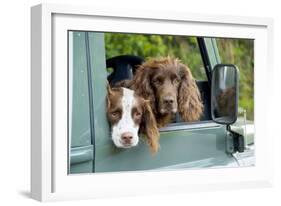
49	176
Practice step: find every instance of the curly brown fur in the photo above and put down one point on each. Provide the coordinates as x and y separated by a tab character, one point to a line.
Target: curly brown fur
149	127
190	104
166	79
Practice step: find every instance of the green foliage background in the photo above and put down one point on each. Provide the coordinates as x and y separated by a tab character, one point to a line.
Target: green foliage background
184	48
234	51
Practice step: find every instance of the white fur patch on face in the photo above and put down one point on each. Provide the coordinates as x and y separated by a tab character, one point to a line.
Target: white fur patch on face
126	123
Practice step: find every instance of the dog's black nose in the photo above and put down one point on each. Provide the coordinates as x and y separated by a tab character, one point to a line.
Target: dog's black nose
168	100
127	137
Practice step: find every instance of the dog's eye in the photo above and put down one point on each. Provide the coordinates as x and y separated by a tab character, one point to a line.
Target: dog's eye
176	81
115	114
158	81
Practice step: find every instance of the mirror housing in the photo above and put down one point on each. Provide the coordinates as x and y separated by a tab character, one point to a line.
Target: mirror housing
225	93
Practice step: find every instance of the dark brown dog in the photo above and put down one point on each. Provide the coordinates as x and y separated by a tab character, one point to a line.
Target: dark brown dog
170	87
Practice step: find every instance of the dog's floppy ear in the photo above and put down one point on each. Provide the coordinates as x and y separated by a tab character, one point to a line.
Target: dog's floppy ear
108	88
109	93
141	84
149	127
189	99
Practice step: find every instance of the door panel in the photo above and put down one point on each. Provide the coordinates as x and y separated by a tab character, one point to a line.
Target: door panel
79	111
98	77
177	147
82	159
80	116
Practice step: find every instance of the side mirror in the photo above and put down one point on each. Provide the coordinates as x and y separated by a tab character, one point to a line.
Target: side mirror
225	93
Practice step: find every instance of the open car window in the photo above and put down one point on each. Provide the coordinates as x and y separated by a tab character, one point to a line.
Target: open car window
145	46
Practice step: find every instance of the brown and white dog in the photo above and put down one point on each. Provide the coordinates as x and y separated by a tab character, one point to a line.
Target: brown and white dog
130	115
170	87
